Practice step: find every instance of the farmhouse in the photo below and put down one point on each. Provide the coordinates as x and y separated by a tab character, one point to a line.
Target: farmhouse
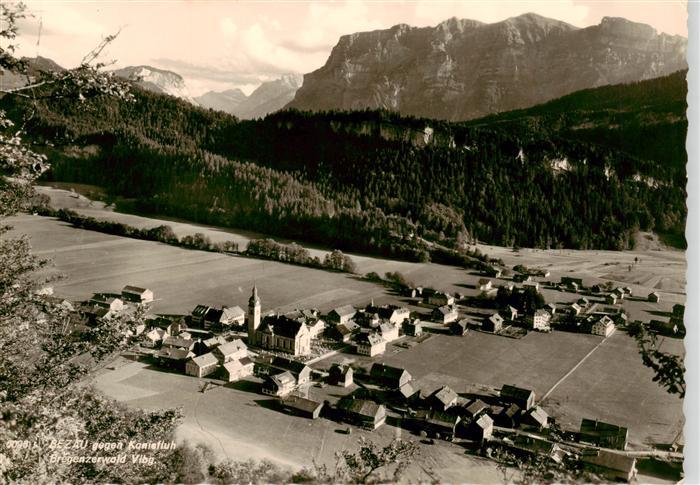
521	278
300	371
523	398
361	412
388	376
136	294
510	313
583	301
153	337
342	314
509	416
611	298
300	406
231	351
536	418
173	357
485	285
440	298
201	366
531	284
278	384
572	283
551	308
603	434
613	466
389	331
575	309
670	328
603	327
438	424
494	323
394	314
445	314
413	328
481	429
344	331
442	399
232	316
476	408
654	297
197	315
340	375
538	320
370	343
178	343
111	303
460	327
236	370
530	445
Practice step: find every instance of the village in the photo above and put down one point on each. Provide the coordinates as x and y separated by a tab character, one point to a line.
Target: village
331	366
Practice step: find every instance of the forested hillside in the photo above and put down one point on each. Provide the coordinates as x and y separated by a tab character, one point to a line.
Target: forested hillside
575	173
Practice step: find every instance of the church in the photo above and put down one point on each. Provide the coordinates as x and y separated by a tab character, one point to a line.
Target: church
276	332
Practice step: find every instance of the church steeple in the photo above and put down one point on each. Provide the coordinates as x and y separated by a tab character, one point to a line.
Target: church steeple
254	311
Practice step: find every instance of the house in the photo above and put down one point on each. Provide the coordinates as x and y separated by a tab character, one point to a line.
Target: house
509	417
443	399
212	342
283	334
438	424
603	327
613	466
440	298
408	393
201	366
153	337
300	406
523	398
212	318
174	357
234	315
342	314
136	294
619	292
316	327
394	314
493	324
653	297
370	343
611	298
485	285
603	434
229	351
529	445
197	315
572	283
521	278
531	284
481	429
362	412
583	301
344	331
535	418
111	303
279	384
413	328
460	327
510	313
389	331
538	320
551	308
300	371
237	369
445	314
340	375
575	309
475	409
178	343
388	376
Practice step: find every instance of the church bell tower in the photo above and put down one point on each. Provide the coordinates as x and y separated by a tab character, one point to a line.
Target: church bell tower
253	315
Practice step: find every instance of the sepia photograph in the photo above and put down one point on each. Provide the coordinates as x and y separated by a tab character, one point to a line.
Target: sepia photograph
348	242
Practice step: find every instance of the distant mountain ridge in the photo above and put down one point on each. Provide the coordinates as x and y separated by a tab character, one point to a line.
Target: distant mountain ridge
267	98
465	69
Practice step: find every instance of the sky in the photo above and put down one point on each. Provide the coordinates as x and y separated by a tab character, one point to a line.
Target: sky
217	45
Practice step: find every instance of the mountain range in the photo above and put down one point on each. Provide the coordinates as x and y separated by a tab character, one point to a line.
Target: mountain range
464	69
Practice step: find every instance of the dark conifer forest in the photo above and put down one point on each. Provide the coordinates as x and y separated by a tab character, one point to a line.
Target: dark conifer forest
584	171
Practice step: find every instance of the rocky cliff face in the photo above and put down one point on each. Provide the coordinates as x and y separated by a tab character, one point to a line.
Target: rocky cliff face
157	80
463	69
